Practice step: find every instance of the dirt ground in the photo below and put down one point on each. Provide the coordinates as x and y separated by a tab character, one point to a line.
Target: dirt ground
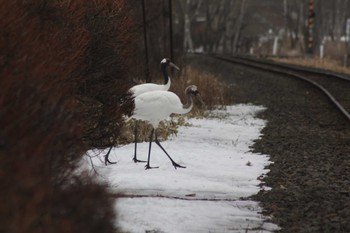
308	143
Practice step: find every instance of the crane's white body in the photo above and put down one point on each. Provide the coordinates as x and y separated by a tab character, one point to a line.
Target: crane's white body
147	87
156	106
144	88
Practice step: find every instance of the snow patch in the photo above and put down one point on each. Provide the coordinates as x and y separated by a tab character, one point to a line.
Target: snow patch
210	194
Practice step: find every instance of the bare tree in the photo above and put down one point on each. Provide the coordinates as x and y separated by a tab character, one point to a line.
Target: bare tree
188	10
334	13
294	16
188	43
229	26
238	26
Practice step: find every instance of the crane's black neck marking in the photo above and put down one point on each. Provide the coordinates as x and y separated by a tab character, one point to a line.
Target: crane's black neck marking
165	72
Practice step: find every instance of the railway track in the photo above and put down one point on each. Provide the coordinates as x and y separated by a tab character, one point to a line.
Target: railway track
305	137
335	86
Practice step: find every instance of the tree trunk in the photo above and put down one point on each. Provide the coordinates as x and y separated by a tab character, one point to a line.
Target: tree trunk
188	43
238	27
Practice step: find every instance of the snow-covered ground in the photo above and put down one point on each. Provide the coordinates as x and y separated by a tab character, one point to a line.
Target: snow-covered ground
209	195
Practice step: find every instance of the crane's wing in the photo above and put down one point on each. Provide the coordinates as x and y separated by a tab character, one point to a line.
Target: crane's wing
145	87
156	105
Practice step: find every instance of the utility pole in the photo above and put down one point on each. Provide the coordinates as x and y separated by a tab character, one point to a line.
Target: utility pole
145	42
311	28
171	30
347	55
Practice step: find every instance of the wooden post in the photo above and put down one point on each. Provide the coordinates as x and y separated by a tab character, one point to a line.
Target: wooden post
171	31
148	79
347	55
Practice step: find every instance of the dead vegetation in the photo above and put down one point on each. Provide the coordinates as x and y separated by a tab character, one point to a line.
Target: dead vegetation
63	69
325	64
211	89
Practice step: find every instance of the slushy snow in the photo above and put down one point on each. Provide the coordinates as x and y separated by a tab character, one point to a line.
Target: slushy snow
210	194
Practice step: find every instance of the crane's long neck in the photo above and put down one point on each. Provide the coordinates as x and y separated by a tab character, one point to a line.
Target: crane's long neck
188	106
165	75
167	84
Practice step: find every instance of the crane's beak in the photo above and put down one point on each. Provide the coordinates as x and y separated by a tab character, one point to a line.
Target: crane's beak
174	66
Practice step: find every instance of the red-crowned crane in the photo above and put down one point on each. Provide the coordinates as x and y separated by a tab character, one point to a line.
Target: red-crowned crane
143	88
156	106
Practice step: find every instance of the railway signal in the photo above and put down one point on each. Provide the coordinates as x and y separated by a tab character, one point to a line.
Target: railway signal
311	19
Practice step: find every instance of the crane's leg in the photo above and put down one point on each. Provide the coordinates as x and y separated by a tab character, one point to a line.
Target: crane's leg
107	161
149	151
135	151
173	162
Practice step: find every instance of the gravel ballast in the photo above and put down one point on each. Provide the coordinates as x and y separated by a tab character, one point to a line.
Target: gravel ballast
308	142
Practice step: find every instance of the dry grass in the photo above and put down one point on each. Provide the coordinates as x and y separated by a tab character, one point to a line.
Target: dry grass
211	89
325	64
164	131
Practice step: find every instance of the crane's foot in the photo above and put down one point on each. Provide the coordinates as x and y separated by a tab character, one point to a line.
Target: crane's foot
149	167
138	161
107	161
177	165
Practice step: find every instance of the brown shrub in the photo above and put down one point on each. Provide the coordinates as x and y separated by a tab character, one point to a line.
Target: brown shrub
51	51
212	90
111	52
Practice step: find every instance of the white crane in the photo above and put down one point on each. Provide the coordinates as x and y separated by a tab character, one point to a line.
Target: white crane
143	88
156	106
146	87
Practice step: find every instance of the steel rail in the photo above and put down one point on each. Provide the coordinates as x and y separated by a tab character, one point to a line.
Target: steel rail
295	67
236	60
